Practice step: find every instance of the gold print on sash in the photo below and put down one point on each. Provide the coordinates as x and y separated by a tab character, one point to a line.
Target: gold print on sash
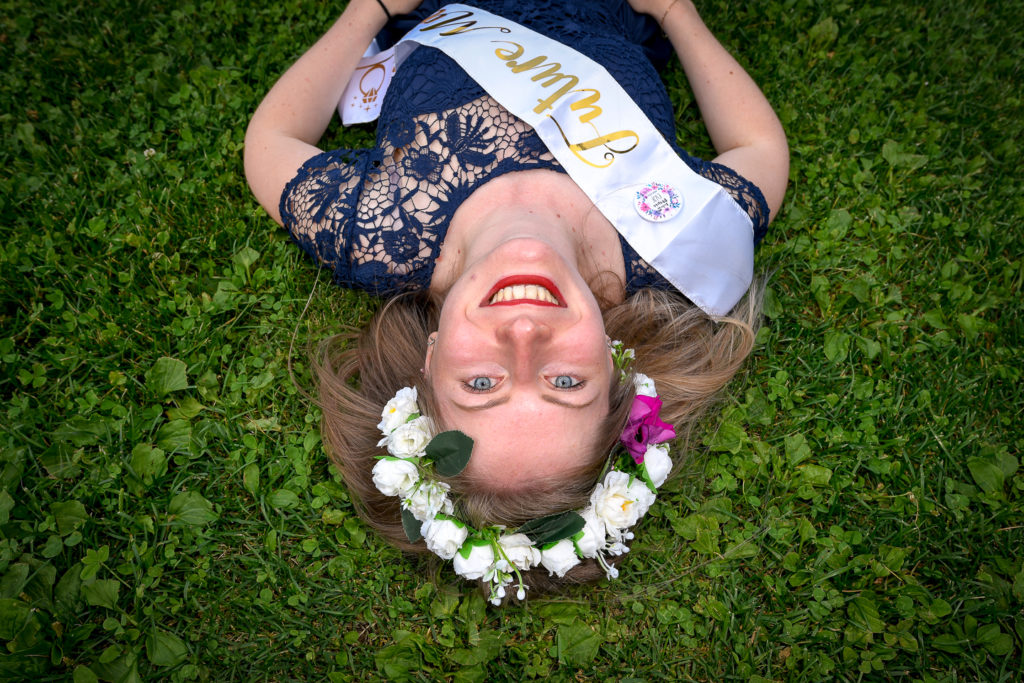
370	90
589	102
549	75
461	26
550	72
600	140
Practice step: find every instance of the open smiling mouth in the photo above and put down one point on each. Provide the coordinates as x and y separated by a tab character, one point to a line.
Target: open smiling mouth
524	289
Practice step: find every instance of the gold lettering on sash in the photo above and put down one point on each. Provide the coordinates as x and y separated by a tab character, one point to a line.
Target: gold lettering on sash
461	26
508	54
549	71
590	102
600	140
548	75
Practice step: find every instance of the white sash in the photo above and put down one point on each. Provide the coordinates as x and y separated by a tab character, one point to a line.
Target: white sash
686	226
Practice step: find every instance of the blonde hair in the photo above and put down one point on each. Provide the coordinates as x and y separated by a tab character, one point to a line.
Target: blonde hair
688	354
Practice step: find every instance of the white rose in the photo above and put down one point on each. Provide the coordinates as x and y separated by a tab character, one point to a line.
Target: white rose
475	562
612	502
644	385
429	498
409	439
444	536
559	558
593	537
519	550
395	477
658	463
642	496
398	410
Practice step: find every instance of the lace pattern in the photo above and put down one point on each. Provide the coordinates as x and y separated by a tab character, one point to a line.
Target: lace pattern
377	217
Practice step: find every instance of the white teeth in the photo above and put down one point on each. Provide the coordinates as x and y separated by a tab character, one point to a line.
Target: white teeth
523	292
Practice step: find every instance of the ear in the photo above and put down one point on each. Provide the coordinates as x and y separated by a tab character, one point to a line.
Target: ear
431	340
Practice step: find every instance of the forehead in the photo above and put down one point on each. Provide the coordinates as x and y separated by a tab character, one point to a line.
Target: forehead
521	442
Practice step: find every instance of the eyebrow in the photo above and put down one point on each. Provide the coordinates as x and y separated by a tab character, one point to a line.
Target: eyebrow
505	399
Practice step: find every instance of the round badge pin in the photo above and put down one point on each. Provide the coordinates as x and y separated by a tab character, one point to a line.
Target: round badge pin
657	202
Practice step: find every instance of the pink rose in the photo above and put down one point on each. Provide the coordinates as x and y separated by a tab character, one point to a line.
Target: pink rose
645	427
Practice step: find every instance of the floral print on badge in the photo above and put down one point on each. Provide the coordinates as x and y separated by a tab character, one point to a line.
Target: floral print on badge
657	202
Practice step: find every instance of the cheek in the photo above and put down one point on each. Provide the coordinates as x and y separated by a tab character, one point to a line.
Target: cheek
459	359
455	337
595	334
593	348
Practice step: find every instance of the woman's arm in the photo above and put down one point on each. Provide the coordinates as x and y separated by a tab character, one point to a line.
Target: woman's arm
745	131
293	116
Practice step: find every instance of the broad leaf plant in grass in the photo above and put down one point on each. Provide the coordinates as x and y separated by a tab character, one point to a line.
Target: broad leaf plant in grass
167	511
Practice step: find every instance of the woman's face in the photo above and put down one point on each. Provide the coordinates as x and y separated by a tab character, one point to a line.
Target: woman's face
521	364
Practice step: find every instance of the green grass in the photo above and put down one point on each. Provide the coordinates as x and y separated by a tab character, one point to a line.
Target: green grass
166	510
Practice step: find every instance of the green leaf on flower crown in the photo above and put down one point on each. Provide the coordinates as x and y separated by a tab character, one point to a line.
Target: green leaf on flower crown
472	542
411	525
450	452
646	477
553	528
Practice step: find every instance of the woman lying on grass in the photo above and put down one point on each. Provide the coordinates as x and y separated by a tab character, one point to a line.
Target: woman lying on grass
521	209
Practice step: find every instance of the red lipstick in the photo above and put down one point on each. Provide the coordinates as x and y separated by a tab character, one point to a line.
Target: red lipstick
524	280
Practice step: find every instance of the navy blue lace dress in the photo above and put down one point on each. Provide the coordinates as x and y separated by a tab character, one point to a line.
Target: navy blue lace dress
377	217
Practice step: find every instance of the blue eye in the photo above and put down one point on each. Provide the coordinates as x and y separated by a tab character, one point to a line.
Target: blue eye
481	384
566	382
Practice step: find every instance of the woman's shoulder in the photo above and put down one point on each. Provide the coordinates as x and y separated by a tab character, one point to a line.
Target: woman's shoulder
340	209
750	199
744	192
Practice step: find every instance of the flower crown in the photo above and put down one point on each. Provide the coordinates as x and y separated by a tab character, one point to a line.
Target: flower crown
557	542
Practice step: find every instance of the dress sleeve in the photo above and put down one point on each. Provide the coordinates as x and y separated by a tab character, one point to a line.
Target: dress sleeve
745	193
641	275
319	205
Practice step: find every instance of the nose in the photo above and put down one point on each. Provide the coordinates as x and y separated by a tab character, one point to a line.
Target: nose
522	337
523	331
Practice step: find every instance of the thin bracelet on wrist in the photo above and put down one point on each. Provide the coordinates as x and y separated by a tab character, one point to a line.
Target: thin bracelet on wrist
663	16
385	8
